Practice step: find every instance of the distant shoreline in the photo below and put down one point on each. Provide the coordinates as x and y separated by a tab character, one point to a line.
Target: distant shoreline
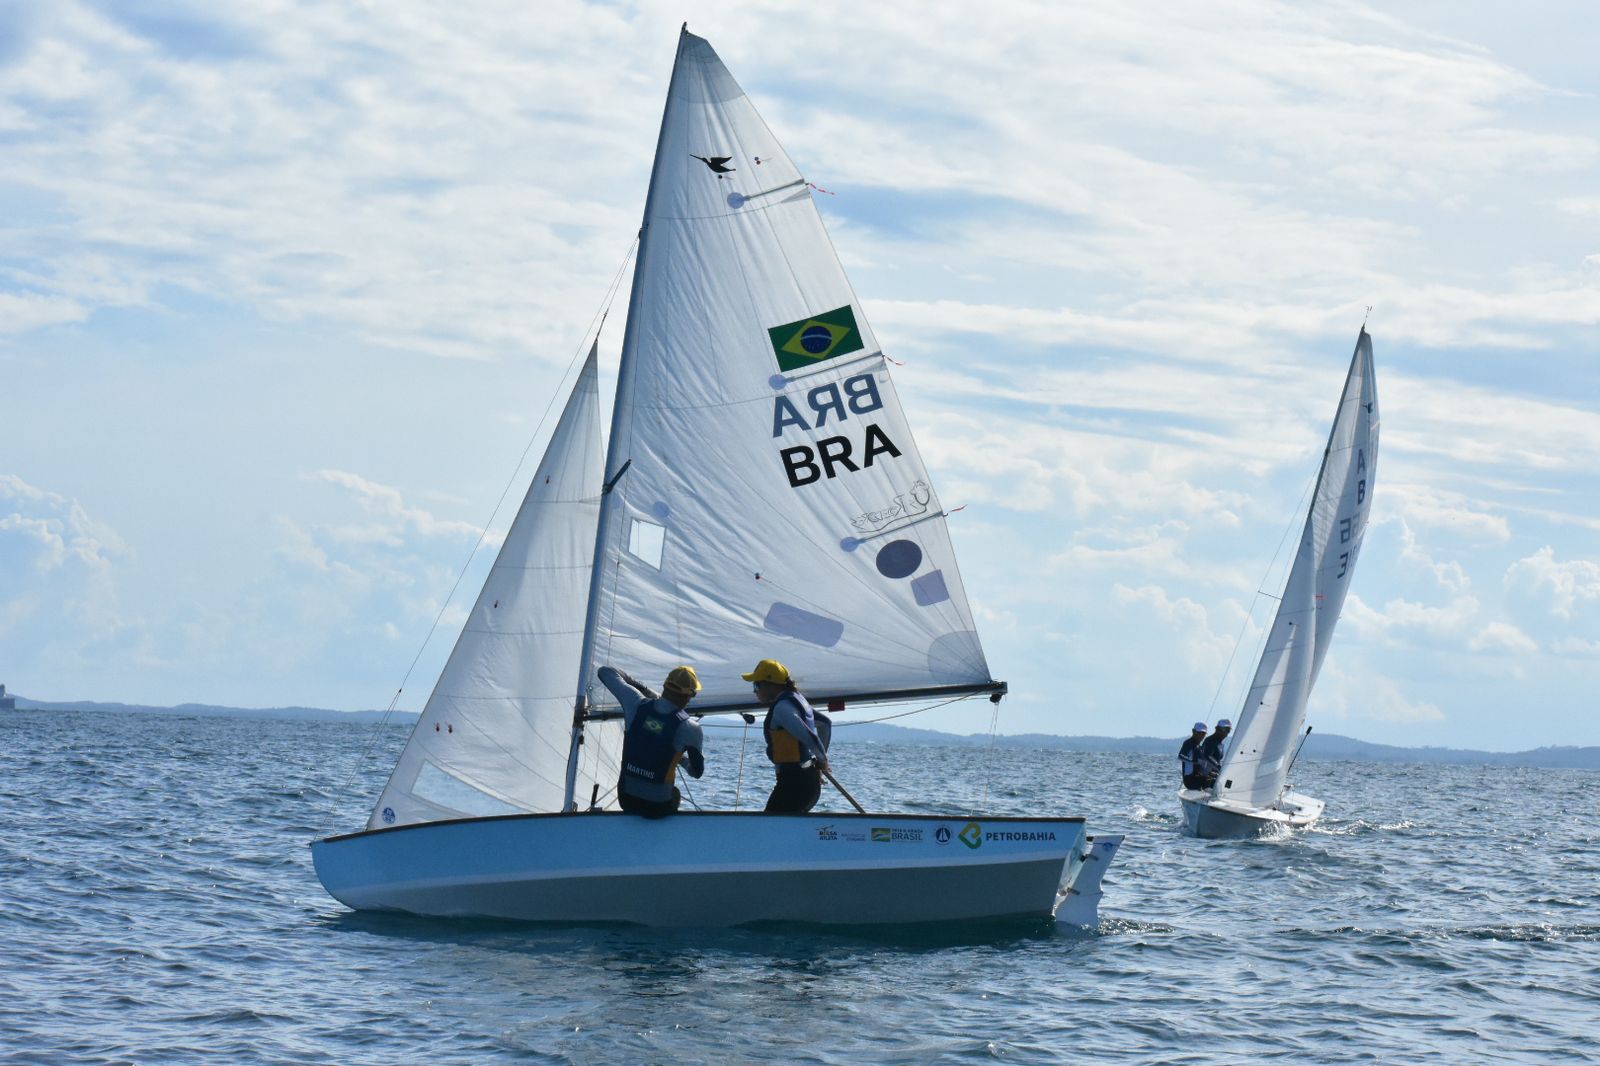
1320	746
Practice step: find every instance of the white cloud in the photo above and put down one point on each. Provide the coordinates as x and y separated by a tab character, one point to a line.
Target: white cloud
1403	620
1586	207
1450	576
1503	637
1205	651
1368	696
52	550
70	556
58	526
1577	647
387	503
1439	509
1155	550
1389	704
1563	585
20	312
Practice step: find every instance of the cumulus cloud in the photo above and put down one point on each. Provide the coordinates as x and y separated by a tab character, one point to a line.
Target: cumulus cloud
1563	586
21	312
1204	651
1431	507
1402	620
1387	703
1450	576
1504	638
57	527
1578	647
387	504
57	560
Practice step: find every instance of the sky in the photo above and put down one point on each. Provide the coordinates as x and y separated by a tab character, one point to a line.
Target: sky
287	289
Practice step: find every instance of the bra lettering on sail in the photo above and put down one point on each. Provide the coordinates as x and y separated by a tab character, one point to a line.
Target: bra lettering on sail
833	454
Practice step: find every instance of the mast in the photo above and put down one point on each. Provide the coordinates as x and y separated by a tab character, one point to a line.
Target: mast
624	391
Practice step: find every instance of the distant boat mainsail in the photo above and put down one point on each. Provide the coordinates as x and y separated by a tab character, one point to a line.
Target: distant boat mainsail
767	497
1256	768
494	737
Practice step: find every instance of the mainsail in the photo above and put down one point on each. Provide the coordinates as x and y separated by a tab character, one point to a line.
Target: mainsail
493	738
765	498
1256	768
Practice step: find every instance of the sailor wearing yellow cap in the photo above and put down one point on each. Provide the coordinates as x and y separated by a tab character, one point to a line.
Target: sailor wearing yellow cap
659	734
797	739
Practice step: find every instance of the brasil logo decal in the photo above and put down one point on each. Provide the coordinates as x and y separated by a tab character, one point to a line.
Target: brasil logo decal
810	341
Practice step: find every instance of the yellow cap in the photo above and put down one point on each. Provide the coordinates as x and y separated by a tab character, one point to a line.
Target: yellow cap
769	670
682	679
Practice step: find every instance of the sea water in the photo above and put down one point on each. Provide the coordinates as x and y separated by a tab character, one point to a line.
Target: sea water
157	904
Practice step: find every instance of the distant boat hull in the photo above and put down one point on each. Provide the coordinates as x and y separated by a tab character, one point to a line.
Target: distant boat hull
723	869
1223	819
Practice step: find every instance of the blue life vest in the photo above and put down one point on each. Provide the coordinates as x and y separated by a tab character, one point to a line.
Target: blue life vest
783	748
650	751
1212	751
1189	755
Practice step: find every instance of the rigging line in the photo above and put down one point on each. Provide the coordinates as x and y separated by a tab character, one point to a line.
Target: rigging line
1223	680
600	317
905	714
688	795
988	759
738	784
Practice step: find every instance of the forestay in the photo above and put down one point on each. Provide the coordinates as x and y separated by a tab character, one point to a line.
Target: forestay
768	500
1257	765
494	736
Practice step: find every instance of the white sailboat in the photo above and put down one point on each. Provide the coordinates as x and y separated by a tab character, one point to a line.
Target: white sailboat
1252	792
761	497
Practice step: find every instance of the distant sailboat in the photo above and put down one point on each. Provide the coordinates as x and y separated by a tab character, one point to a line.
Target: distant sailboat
761	496
1252	792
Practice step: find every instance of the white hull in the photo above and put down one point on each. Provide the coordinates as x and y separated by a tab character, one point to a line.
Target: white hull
723	868
1223	819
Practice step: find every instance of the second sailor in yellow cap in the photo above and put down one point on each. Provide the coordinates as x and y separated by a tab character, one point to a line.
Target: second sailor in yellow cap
797	739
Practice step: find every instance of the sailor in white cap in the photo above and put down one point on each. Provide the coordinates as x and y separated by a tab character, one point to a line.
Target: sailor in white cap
1212	751
1189	758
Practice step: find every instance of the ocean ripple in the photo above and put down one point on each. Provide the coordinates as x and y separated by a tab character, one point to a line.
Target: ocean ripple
158	905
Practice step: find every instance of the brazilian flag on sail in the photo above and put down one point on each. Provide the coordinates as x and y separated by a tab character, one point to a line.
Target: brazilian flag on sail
810	341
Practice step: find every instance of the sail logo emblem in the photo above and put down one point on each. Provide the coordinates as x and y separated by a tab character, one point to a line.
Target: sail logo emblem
971	835
817	339
942	835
